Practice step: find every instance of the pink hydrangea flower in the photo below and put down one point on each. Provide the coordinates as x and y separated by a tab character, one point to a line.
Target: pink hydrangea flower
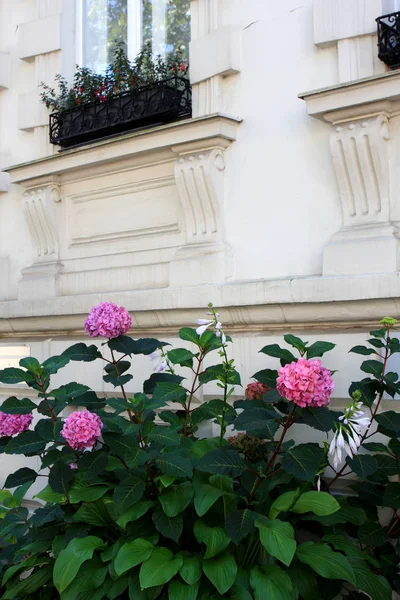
306	383
82	429
108	320
12	424
256	390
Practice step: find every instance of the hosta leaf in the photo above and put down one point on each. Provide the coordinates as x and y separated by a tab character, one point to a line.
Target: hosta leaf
93	513
376	586
160	568
135	512
177	590
214	538
326	562
191	570
69	561
319	503
176	498
271	582
277	537
221	571
170	527
131	554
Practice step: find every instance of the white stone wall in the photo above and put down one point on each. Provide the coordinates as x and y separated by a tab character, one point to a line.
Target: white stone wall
246	205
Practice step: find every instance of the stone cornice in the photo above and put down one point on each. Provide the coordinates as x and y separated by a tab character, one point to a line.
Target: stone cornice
128	150
313	303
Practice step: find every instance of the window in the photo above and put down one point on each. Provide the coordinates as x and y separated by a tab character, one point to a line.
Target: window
390	6
165	24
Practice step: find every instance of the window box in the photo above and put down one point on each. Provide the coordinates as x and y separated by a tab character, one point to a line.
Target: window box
160	102
389	39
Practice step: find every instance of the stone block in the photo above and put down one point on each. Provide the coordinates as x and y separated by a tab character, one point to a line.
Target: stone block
218	53
39	37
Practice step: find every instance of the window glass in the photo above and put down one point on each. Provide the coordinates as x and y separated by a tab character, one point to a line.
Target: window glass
165	24
104	22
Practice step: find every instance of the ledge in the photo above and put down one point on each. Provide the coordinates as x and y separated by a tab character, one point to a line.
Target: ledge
314	303
380	93
157	140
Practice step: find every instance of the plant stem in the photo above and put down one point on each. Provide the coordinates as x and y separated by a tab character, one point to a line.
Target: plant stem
115	363
373	413
192	391
223	427
288	423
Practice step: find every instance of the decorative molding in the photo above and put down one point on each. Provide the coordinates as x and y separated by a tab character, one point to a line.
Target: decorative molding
37	205
199	179
360	158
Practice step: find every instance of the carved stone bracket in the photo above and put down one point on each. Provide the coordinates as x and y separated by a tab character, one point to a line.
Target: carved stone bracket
199	174
40	211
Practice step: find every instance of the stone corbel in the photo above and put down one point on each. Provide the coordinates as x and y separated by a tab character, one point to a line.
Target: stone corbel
41	210
199	174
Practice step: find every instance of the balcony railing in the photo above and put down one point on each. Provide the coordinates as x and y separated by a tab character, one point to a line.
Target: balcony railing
389	39
160	102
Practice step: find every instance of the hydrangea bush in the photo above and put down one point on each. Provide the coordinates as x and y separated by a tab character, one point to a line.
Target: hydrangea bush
136	504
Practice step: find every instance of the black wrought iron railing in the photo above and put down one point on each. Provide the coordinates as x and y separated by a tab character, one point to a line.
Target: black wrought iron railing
150	105
389	39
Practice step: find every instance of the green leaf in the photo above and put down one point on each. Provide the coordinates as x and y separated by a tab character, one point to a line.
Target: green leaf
165	436
127	447
267	377
20	477
128	492
277	537
205	496
150	384
27	442
160	568
375	447
168	392
49	495
15	406
47	514
304	582
321	418
134	513
304	461
271	582
371	533
60	477
223	461
362	350
319	503
277	352
283	503
180	356
259	422
214	538
191	570
93	513
238	592
30	584
11	375
93	463
326	562
221	571
376	586
296	342
87	493
362	465
391	497
239	524
170	527
131	554
174	464
127	345
49	430
389	421
55	363
350	549
189	335
319	349
218	373
177	590
374	367
69	561
176	498
82	352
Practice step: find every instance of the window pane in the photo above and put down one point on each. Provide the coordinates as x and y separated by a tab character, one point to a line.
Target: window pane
166	25
104	23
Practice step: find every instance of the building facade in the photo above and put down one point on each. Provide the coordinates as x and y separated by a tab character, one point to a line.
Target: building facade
278	200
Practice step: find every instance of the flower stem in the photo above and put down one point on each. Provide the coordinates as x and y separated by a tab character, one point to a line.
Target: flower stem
192	391
223	427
